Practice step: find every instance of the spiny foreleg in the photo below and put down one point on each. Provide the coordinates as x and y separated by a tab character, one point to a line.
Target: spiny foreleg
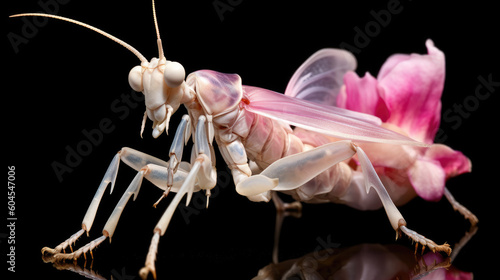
181	137
201	176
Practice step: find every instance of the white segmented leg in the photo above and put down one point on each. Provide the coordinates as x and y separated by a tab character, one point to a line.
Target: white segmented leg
161	227
207	177
397	221
151	258
110	226
181	137
61	247
134	159
372	180
143	124
295	170
460	208
418	238
82	251
138	160
133	189
88	220
203	173
109	177
158	170
152	172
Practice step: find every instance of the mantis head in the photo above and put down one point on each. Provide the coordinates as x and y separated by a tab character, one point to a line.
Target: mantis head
161	81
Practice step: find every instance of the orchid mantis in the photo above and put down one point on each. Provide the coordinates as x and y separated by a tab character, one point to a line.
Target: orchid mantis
326	157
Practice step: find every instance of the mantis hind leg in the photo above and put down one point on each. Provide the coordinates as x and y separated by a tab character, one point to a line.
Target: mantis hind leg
460	208
371	180
291	172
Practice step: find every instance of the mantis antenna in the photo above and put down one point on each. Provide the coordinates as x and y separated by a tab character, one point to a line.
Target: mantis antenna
160	47
127	46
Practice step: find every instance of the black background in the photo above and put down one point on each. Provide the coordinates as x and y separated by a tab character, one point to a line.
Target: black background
65	79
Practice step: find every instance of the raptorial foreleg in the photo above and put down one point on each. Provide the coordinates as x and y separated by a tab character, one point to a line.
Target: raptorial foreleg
181	137
201	176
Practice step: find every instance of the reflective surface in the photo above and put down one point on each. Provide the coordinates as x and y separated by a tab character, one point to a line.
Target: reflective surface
329	260
365	261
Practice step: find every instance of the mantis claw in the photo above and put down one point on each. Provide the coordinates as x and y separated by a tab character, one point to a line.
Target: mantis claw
165	194
82	251
144	272
149	266
418	238
47	251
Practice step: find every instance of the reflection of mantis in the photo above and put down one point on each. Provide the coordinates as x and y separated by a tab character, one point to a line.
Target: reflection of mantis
364	261
252	127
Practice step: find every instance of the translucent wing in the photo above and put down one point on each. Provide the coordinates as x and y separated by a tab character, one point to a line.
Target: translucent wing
320	77
328	120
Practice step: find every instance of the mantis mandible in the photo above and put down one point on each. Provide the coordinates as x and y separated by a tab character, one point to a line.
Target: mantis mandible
253	130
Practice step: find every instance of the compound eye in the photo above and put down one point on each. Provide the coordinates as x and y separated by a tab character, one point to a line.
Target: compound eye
135	79
174	74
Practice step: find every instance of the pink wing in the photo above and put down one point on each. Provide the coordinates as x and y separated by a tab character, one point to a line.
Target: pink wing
320	77
328	120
